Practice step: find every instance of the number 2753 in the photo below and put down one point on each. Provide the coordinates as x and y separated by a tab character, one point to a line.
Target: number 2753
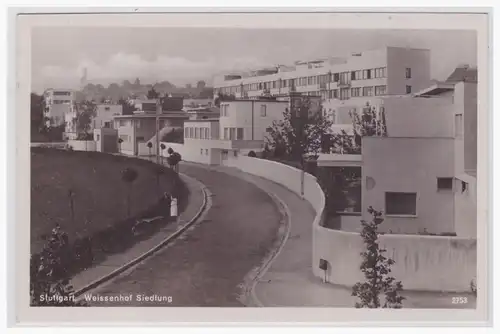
459	300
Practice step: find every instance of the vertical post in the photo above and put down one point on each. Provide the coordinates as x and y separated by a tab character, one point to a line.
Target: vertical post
158	111
302	175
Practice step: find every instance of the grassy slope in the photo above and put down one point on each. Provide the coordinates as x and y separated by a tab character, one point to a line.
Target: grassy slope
100	194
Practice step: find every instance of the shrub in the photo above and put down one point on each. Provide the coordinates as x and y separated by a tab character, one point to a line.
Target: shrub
376	268
252	154
49	273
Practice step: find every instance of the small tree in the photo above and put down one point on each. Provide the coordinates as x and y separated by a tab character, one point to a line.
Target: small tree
150	146
86	111
300	133
120	141
368	123
376	268
129	175
49	276
162	147
173	159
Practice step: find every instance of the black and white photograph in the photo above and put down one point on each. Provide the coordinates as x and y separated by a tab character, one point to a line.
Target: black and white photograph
254	167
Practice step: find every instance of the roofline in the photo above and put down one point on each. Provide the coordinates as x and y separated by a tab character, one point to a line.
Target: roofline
438	85
202	120
326	59
178	115
253	100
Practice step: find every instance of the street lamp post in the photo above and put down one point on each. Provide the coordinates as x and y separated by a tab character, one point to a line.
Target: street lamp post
158	112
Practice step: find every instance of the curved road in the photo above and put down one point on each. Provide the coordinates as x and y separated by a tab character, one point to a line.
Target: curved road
206	266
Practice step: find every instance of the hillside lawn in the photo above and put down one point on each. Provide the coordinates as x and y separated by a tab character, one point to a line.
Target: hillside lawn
100	195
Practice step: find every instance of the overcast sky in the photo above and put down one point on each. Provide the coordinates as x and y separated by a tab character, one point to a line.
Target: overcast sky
183	55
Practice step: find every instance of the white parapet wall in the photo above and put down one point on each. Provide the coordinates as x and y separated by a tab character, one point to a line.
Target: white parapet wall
423	263
82	145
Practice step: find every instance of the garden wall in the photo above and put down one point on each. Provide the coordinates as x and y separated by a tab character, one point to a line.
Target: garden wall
82	145
429	263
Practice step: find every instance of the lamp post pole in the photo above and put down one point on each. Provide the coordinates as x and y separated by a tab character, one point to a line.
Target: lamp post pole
158	112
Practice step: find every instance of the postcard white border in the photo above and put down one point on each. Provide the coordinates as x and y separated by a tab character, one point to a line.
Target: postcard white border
244	316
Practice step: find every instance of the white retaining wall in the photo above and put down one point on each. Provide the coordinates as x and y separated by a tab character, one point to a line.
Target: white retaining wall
429	263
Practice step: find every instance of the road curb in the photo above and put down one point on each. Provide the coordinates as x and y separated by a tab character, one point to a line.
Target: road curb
275	252
203	208
249	297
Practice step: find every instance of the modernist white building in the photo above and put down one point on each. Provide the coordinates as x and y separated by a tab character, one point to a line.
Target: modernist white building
241	127
343	83
58	103
387	71
423	174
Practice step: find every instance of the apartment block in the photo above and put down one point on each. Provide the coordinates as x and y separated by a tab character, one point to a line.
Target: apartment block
386	71
58	103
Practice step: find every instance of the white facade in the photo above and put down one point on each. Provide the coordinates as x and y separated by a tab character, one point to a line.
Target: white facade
387	71
105	114
249	119
58	102
422	175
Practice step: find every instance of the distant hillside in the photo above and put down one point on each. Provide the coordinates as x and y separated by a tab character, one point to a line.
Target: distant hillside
115	92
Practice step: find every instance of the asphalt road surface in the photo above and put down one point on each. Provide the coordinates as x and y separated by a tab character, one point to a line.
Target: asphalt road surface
204	267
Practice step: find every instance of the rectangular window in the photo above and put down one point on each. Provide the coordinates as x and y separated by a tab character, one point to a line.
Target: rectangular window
367	91
384	72
365	74
232	133
239	134
336	77
459	125
355	92
368	74
263	110
196	133
207	133
380	90
202	133
345	78
284	82
401	203
408	73
408	89
444	183
206	151
226	133
353	75
107	124
344	93
186	132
